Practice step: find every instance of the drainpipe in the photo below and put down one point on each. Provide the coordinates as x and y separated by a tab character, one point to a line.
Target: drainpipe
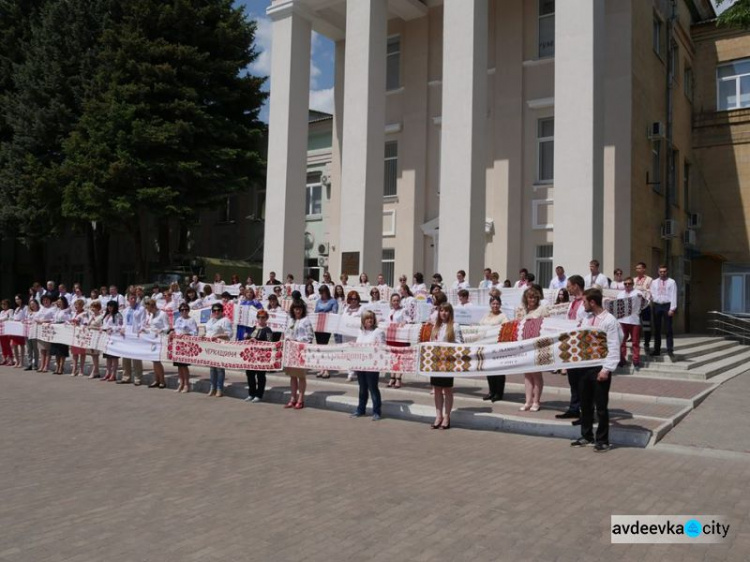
670	187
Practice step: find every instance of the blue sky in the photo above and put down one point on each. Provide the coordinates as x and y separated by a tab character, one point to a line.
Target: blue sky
321	67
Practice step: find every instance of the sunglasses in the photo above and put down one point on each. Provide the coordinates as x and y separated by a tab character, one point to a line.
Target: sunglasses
628	284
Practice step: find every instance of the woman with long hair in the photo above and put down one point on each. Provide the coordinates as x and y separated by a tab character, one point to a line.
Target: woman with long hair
325	305
6	314
112	322
396	315
446	331
369	333
299	329
18	343
533	382
353	308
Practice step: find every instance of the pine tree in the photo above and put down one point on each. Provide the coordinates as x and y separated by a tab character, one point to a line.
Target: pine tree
171	125
738	15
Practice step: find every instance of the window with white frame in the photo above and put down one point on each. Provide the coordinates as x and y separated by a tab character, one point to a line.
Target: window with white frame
546	28
314	197
733	85
389	265
393	63
657	35
545	150
687	84
542	214
544	264
390	188
735	288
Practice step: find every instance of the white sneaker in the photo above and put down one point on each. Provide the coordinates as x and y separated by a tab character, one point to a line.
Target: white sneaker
256	400
249	399
351	376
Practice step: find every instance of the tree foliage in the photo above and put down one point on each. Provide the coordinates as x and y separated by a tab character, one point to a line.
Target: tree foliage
737	15
171	125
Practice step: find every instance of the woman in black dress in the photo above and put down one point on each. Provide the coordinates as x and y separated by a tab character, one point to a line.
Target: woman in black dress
447	331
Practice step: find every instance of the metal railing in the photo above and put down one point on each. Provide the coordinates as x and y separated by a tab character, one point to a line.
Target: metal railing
731	326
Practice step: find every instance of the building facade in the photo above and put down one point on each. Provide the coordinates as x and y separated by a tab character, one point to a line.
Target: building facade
508	134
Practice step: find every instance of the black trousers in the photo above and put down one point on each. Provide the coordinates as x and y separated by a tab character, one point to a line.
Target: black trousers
497	385
574	381
594	394
661	315
256	383
646	325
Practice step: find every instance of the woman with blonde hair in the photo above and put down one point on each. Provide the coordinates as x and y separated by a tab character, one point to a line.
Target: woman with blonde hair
531	308
445	330
369	333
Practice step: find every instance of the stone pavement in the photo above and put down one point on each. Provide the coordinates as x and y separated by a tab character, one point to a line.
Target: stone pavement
720	422
105	473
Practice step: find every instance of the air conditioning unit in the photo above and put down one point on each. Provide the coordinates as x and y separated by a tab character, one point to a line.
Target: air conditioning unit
323	262
695	220
688	237
656	130
669	229
324	249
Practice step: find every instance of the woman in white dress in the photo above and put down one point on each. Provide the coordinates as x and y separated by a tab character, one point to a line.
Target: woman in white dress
96	317
45	315
299	329
184	326
533	382
157	324
79	317
112	323
18	343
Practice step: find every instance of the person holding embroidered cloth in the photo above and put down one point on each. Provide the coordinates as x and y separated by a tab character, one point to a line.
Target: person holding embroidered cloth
445	330
299	329
156	324
596	381
256	380
218	328
369	333
184	325
631	325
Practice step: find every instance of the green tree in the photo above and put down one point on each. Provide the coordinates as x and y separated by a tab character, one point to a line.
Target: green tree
738	15
171	125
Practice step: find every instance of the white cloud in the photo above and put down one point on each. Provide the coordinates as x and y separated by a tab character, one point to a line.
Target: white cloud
322	100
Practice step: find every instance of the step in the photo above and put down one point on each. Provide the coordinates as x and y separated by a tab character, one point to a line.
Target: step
694	351
703	361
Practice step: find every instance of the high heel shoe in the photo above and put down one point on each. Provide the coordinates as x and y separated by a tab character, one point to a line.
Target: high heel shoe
299	405
437	425
535	407
392	382
290	404
446	426
525	407
153	384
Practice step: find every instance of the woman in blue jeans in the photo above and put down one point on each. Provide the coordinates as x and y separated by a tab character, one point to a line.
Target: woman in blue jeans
217	328
368	380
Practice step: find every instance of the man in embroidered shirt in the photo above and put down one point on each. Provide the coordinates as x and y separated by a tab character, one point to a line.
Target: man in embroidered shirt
577	312
595	381
135	317
664	297
643	284
560	280
595	278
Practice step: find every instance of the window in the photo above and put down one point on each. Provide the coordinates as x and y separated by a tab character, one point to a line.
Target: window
686	187
314	199
391	169
733	85
546	28
655	178
313	268
657	35
545	149
393	64
389	265
687	83
544	264
736	289
674	62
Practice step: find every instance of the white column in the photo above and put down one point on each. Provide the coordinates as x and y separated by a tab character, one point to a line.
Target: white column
579	117
462	154
284	239
361	235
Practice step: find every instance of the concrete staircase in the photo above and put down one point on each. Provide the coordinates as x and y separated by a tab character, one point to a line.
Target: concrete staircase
696	358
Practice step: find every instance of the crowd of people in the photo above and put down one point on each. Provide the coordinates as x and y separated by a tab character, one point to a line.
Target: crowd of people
167	310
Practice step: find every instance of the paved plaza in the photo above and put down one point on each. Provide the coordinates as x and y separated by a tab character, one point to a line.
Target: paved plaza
105	473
